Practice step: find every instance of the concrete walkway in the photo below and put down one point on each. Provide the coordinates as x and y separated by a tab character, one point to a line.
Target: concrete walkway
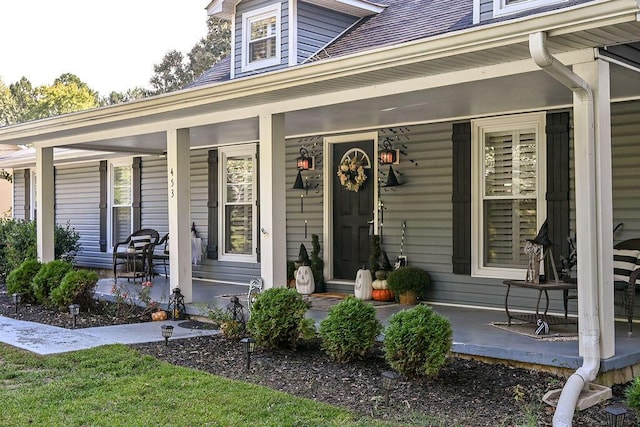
45	339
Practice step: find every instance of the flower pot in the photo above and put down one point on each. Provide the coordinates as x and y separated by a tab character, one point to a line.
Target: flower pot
408	298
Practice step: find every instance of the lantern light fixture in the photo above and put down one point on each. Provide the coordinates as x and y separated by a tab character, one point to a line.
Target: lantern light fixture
167	331
304	162
389	381
248	346
74	310
387	155
176	305
615	415
16	300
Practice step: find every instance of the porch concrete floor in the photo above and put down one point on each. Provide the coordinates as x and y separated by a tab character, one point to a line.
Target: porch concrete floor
473	334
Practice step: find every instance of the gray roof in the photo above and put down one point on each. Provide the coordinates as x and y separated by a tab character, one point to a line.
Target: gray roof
401	21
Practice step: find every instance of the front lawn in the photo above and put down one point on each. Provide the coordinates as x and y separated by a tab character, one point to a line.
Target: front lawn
115	385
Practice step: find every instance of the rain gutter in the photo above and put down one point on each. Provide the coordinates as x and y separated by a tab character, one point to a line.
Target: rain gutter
588	315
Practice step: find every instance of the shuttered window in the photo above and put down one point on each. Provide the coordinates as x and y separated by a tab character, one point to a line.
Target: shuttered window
509	177
120	201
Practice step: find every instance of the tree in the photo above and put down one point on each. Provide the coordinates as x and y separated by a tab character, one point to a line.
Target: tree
7	106
24	96
67	94
119	97
174	72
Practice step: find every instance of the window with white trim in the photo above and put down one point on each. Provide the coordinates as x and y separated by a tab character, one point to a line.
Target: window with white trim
120	210
261	44
238	217
507	7
509	184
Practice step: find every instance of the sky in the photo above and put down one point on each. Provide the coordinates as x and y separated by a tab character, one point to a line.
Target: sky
111	45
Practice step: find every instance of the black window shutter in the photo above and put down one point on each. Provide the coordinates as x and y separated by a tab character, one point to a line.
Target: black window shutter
103	205
557	130
212	205
136	193
27	194
461	198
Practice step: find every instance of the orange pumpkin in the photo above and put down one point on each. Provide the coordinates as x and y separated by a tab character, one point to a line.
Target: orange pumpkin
383	295
159	315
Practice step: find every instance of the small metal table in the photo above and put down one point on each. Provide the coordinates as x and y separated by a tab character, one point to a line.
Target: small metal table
542	287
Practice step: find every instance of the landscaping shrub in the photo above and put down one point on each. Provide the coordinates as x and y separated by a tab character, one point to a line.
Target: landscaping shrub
77	287
276	318
409	279
19	280
417	341
632	393
19	243
350	329
48	278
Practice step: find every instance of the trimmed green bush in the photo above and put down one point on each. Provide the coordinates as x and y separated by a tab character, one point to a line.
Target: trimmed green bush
48	278
77	287
276	318
418	341
19	280
409	279
350	329
632	393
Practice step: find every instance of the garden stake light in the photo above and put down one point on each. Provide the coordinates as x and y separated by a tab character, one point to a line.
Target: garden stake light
74	309
167	331
615	415
16	300
248	345
389	380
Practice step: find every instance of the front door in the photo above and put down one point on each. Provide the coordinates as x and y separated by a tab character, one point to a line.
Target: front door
352	210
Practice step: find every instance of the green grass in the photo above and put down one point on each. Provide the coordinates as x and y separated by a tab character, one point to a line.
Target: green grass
116	386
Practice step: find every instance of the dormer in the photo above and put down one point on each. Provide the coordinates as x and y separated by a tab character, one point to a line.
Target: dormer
488	10
268	35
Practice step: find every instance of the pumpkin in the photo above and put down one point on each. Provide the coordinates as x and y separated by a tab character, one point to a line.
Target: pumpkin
383	295
159	315
379	284
304	280
363	285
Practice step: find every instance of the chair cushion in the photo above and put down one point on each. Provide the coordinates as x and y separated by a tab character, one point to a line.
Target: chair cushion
624	262
139	242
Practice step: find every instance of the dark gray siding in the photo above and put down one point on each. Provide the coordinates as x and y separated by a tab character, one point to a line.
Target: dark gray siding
18	193
77	199
317	27
248	6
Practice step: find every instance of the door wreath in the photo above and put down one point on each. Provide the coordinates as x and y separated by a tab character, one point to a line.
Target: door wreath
351	170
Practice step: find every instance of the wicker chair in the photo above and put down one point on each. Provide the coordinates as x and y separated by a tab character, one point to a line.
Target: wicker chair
625	291
132	258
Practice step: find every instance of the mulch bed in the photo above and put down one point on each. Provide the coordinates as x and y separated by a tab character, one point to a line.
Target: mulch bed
465	393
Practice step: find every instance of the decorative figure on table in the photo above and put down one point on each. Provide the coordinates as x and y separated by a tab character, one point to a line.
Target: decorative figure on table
538	248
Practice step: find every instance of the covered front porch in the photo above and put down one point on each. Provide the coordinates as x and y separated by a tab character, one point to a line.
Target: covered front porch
474	336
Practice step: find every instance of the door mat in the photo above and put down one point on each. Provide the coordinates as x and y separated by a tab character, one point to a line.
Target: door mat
556	332
325	301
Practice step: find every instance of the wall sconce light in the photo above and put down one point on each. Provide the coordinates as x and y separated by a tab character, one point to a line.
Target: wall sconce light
387	155
74	310
304	162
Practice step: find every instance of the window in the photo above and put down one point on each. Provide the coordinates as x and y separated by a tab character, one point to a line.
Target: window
507	7
238	200
261	38
120	200
508	206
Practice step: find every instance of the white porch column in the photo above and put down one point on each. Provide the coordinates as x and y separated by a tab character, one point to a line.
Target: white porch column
45	199
595	225
273	233
179	186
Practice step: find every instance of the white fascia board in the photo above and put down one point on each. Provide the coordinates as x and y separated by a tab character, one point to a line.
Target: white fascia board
223	9
359	8
27	158
451	44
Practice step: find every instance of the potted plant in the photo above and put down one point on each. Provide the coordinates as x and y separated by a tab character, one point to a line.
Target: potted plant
408	283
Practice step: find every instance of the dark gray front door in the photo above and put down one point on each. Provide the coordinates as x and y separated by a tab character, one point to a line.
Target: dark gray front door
351	213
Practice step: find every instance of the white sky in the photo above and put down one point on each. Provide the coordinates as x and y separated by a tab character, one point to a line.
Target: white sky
110	44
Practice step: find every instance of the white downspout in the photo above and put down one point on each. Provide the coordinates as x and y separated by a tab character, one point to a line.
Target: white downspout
589	327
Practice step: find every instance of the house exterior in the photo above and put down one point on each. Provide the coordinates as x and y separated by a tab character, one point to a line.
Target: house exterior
501	114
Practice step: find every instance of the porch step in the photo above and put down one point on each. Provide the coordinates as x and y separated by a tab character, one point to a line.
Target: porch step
339	288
